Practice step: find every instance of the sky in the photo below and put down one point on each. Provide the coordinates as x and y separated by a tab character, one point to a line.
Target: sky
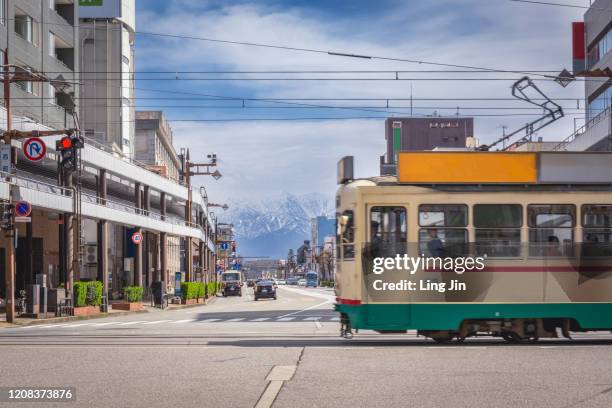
298	154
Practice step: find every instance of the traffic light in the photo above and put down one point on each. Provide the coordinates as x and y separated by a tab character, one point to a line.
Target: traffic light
6	223
68	147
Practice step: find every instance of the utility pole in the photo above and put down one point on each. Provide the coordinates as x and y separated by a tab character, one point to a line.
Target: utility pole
194	169
10	273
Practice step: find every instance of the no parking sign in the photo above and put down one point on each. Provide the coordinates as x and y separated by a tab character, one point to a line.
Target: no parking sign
137	238
34	149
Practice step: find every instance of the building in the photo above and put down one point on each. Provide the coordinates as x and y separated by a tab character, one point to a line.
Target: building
153	144
592	59
115	220
321	227
41	39
403	134
107	63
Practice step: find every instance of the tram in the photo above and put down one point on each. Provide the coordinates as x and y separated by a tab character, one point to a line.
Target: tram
527	235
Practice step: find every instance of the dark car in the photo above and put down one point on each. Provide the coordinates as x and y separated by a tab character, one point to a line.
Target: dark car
232	288
265	289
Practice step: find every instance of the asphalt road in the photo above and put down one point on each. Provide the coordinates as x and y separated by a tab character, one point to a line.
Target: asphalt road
237	352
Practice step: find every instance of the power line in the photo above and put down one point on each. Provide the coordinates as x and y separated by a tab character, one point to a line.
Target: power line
547	3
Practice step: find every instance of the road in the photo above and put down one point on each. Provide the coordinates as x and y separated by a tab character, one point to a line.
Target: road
237	352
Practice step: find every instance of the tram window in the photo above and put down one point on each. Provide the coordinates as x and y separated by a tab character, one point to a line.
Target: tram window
443	242
551	229
500	243
347	233
597	230
388	225
443	215
597	216
498	216
497	232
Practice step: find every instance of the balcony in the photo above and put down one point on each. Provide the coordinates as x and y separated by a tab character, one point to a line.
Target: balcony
593	136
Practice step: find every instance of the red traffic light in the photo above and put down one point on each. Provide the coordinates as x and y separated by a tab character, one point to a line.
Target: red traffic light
66	142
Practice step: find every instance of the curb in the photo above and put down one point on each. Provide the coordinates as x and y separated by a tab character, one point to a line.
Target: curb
179	307
70	318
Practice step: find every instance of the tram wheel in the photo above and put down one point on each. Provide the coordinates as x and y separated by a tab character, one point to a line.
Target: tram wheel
511	337
443	339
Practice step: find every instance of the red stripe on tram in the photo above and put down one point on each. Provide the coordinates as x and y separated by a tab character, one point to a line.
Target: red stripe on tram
353	302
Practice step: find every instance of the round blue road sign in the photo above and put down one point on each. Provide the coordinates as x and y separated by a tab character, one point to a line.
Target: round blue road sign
23	209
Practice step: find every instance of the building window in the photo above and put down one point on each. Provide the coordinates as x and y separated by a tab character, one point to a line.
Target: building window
26	86
600	103
2	11
551	229
599	50
497	229
443	233
26	27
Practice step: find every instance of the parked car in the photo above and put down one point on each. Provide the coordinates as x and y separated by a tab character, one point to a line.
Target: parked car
265	289
292	281
281	282
302	282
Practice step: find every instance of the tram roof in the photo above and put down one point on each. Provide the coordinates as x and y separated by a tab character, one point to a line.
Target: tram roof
502	168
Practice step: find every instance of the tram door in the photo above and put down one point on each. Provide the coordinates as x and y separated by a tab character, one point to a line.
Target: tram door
388	232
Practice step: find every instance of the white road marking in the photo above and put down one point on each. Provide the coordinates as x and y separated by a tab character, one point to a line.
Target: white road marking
210	320
276	378
261	319
312	318
284	319
183	321
78	325
129	323
158	321
103	324
303	310
238	319
334	319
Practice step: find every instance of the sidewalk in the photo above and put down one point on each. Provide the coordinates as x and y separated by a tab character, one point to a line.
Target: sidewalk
147	308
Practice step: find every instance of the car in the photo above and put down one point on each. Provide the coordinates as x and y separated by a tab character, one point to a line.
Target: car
232	283
292	281
302	282
265	289
281	282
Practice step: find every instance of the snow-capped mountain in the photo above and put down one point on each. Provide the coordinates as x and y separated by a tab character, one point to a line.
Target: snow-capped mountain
273	226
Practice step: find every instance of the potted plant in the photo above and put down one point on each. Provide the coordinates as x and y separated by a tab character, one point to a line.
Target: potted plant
132	296
87	298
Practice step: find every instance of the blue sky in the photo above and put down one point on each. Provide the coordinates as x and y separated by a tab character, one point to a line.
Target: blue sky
260	159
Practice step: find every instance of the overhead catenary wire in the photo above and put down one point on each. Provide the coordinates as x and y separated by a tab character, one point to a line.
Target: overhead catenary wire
549	3
475	68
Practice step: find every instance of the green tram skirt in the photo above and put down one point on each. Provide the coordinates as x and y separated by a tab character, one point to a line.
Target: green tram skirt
448	316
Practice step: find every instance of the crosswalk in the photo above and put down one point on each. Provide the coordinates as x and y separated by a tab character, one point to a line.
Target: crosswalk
133	323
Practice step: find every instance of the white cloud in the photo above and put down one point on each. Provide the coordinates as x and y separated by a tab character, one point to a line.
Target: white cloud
261	157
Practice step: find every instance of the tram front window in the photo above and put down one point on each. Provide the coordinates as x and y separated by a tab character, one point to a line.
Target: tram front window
497	229
441	234
347	234
551	229
388	230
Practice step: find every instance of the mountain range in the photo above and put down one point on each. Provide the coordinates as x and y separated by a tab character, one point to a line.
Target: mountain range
269	228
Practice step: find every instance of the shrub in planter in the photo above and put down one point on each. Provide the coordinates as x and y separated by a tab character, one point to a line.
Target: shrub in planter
133	293
192	290
87	293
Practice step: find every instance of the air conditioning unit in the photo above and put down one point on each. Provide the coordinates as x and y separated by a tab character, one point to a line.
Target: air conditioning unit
91	254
